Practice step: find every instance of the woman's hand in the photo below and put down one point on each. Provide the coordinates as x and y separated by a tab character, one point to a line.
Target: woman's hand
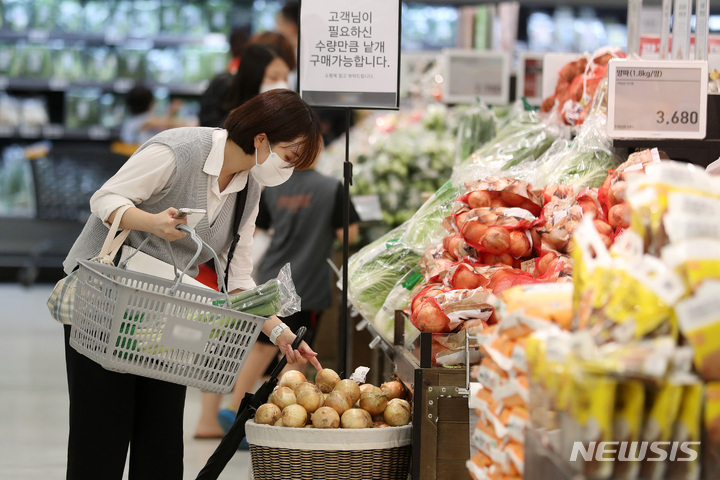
164	224
303	353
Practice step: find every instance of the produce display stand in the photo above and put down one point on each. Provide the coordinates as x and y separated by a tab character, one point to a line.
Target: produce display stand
441	433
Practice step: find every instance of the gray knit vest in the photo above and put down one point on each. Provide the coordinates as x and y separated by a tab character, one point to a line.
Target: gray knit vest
189	187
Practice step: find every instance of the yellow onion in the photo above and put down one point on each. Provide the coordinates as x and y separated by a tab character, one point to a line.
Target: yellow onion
305	386
310	399
397	412
356	418
292	378
325	417
279	423
339	401
373	402
380	424
350	387
282	397
393	389
294	416
326	379
268	414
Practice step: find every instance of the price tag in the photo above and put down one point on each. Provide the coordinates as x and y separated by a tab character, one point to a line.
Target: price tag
123	85
58	85
530	77
657	99
38	36
29	132
53	131
368	207
470	74
98	133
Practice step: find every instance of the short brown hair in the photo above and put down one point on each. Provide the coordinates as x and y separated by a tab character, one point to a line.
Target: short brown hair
283	116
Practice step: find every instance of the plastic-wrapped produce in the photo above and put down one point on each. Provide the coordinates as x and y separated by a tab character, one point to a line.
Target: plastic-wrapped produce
100	63
97	15
18	14
82	108
44	14
70	15
67	62
17	195
477	127
31	61
33	112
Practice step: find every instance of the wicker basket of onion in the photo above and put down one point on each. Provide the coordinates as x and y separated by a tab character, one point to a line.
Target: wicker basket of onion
331	429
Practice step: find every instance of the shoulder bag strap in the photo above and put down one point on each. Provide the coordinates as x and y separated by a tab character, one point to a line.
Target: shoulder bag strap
240	200
112	242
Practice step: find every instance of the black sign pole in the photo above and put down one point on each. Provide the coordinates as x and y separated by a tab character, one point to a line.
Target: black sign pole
344	330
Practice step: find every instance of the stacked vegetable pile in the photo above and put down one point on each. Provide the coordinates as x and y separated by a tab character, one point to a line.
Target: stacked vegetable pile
578	83
401	156
641	364
515	232
331	402
501	399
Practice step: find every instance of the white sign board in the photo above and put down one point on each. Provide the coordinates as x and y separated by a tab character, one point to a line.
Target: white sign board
530	77
471	74
350	53
657	99
552	64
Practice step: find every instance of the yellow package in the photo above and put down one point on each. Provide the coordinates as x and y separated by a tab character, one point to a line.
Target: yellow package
640	301
592	410
711	426
699	320
664	404
696	261
685	452
547	301
649	197
592	263
627	424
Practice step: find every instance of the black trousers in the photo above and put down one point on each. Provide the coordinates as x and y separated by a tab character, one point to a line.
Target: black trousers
110	412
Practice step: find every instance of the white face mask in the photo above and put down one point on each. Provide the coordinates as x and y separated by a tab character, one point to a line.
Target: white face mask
273	171
266	87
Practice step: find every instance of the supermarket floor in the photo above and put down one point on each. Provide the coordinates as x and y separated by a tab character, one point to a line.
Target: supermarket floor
33	394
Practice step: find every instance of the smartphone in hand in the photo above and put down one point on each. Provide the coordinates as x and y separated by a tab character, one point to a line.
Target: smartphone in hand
193	215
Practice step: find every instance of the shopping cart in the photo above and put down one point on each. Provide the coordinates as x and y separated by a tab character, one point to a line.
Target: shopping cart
150	326
230	442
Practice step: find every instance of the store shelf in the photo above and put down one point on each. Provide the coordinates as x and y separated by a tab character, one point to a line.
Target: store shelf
58	132
157	41
122	85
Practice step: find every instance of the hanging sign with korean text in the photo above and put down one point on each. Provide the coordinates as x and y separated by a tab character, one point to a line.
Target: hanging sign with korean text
657	99
349	53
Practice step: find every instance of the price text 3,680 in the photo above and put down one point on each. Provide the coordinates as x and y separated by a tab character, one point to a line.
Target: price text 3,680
677	117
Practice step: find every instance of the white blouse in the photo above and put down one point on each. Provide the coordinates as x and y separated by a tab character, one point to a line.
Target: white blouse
150	172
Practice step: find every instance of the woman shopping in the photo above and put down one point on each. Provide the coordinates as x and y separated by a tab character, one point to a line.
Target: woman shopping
196	167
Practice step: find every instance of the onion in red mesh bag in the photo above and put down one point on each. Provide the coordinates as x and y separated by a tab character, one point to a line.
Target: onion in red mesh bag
503	192
464	276
520	244
429	317
496	240
504	259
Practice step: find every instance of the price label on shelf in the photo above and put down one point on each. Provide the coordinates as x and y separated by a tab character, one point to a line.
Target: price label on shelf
470	74
657	99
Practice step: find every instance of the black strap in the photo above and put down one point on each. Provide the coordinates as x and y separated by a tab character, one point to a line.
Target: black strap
240	200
